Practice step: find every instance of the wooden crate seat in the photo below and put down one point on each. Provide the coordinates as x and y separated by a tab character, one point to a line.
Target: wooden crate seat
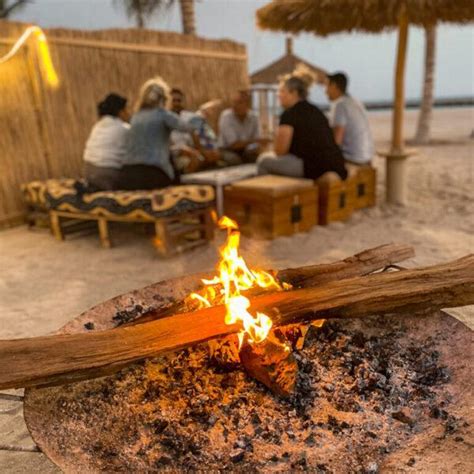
336	199
366	180
271	206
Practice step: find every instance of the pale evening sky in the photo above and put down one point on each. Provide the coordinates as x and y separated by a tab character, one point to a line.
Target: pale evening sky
368	59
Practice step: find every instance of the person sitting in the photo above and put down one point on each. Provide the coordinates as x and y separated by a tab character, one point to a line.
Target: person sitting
304	145
148	163
239	131
106	146
190	152
349	121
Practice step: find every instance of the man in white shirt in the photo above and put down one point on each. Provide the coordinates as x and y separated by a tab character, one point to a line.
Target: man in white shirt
349	122
105	148
239	133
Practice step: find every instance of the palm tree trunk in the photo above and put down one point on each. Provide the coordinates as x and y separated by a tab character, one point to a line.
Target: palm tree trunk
187	17
426	110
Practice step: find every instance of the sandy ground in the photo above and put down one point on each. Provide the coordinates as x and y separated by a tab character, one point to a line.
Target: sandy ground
44	283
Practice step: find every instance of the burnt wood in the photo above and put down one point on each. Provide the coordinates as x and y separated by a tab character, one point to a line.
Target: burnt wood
54	360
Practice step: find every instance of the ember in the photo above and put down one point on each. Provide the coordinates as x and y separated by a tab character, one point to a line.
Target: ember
362	402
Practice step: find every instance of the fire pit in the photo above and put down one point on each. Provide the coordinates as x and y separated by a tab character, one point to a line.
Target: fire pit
238	371
372	393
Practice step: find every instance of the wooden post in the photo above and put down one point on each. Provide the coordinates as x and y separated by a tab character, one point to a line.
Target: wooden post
396	158
399	100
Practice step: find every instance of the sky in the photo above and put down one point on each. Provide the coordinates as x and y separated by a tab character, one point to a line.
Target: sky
367	59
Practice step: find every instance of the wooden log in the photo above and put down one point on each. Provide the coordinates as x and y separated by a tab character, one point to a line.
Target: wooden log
59	359
271	362
362	263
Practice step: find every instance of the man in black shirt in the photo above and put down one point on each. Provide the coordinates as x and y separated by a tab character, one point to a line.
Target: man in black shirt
304	143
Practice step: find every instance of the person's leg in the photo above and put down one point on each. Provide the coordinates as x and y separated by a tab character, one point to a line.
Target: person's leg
328	177
102	179
138	177
285	165
250	154
229	158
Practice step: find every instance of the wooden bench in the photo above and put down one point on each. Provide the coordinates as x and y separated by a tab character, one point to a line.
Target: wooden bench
173	235
270	206
181	215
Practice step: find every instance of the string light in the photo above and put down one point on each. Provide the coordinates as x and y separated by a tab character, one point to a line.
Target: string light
43	51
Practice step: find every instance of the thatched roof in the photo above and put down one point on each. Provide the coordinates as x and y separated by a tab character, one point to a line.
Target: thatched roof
325	17
285	65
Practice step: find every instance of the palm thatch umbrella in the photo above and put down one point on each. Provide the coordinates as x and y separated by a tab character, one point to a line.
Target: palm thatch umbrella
325	17
288	63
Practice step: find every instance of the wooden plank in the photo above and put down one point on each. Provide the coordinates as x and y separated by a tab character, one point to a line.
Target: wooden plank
138	48
59	359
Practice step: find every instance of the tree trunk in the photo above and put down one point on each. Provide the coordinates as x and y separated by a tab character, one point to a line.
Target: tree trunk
140	19
422	135
187	17
65	358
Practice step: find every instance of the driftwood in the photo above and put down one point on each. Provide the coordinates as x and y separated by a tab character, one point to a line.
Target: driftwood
54	360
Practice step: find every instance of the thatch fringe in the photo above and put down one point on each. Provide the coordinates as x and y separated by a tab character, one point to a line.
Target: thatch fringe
325	17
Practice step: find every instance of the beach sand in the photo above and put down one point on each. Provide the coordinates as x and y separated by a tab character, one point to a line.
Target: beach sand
45	283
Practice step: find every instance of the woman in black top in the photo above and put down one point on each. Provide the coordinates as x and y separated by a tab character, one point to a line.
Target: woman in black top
304	143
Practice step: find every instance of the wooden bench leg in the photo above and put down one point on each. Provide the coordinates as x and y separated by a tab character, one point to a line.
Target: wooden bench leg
209	225
161	241
55	223
104	233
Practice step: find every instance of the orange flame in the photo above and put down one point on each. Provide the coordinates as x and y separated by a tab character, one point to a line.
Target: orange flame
233	278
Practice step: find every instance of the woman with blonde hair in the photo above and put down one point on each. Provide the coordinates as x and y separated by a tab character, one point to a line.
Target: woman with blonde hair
304	144
148	164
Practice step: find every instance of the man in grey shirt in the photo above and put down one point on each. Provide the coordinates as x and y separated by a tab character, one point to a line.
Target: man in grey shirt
239	134
349	122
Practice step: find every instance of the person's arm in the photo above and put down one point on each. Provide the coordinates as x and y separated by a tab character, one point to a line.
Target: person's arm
339	123
338	132
174	122
282	141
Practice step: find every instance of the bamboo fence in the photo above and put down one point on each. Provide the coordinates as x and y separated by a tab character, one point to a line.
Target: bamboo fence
43	130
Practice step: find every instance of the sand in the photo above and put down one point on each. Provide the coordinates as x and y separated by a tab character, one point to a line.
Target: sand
44	283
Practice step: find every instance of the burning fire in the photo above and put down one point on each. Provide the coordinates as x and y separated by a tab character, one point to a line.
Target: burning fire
235	277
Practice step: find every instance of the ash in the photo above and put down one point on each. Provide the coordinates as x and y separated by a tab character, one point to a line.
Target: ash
364	390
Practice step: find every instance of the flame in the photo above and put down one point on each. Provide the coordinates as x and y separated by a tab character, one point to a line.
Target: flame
234	277
43	51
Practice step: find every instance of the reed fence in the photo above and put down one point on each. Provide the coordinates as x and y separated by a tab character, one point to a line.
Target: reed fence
43	130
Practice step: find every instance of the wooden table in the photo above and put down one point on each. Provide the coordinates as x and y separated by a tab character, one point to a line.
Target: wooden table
220	178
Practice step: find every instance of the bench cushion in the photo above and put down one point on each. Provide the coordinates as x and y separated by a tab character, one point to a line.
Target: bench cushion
66	195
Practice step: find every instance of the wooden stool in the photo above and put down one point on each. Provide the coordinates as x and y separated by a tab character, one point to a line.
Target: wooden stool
336	199
270	206
366	180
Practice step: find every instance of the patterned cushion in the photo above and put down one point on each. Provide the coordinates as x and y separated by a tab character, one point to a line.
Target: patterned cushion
65	195
34	192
